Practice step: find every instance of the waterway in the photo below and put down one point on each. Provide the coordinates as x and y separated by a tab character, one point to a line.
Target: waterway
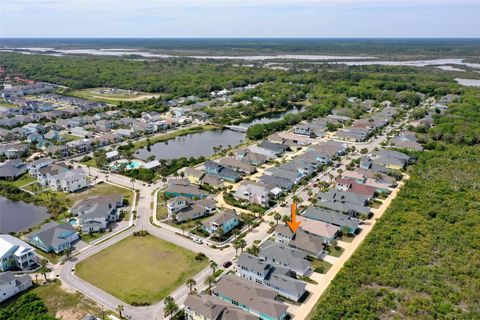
16	216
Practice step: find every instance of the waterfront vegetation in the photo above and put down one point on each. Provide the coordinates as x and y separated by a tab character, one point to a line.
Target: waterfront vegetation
150	275
421	259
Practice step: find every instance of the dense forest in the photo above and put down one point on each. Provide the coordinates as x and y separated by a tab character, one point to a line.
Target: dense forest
362	47
422	260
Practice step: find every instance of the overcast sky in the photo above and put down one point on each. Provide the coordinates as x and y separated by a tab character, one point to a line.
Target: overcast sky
239	18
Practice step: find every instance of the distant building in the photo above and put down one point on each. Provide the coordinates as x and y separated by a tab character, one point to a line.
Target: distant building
10	284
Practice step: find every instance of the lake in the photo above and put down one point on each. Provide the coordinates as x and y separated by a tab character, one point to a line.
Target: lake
16	216
270	118
192	145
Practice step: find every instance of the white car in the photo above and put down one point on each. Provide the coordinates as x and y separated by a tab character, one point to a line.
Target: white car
197	240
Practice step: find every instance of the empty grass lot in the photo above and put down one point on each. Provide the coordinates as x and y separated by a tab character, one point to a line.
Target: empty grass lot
140	270
103	188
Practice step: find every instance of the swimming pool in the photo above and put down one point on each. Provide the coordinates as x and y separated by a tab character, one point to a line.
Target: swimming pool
130	165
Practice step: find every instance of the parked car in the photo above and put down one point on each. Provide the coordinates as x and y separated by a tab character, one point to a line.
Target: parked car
227	264
197	240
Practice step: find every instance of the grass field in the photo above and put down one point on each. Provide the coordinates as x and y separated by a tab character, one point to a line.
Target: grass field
114	98
140	270
23	180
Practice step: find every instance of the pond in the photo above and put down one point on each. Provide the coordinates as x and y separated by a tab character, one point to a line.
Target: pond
468	82
192	145
270	118
16	216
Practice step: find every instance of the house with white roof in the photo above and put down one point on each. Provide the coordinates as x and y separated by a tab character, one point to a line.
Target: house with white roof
14	253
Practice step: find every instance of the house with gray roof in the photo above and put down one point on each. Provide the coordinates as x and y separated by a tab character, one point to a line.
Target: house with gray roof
15	253
285	256
390	159
251	157
293	176
12	169
96	212
311	244
54	237
221	171
251	297
182	209
277	278
238	165
277	148
189	191
253	192
334	195
11	284
208	307
227	220
279	182
36	165
333	217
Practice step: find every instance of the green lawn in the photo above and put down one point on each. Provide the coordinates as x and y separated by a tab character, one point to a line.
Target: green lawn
23	180
321	266
162	212
335	251
140	270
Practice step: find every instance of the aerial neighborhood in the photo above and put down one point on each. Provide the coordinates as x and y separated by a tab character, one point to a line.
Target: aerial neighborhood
253	202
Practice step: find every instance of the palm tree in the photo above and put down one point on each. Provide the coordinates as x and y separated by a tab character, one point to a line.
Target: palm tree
277	216
213	266
119	309
296	199
236	246
44	269
236	232
170	307
219	233
68	253
183	227
191	284
132	181
254	250
241	244
209	280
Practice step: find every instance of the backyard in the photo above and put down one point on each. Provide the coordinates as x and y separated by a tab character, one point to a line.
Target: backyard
149	262
103	188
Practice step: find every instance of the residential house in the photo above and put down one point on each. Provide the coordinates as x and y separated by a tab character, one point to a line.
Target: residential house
95	213
390	159
334	195
193	175
351	185
112	155
269	154
333	217
152	165
251	297
54	237
212	181
182	209
250	157
14	253
206	307
190	191
10	284
253	192
301	240
79	131
285	256
59	151
36	165
293	176
13	150
277	148
282	183
12	169
238	165
60	178
80	146
227	220
222	172
274	277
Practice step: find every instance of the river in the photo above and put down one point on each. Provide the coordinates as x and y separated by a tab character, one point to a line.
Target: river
16	216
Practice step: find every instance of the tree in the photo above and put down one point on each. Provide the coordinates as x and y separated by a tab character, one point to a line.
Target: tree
44	269
277	216
100	158
209	280
364	151
183	227
120	309
132	181
254	250
68	253
213	266
286	218
297	199
170	307
191	285
237	246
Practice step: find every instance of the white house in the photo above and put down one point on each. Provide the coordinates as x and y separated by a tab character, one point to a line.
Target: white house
10	284
15	253
60	178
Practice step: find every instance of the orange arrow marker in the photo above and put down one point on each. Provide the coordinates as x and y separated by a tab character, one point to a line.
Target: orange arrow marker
294	224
